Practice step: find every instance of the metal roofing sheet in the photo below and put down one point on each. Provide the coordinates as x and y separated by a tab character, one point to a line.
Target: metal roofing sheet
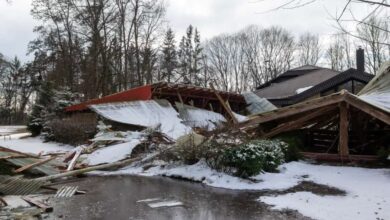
47	168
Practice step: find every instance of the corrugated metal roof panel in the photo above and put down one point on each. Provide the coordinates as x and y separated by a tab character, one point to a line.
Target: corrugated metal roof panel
47	168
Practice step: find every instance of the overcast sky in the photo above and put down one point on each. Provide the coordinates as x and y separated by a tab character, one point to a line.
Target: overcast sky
211	17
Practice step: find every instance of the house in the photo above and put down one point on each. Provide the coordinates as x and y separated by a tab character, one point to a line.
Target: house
336	126
308	82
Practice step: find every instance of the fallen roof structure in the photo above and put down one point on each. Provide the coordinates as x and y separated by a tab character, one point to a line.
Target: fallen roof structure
187	94
356	123
148	113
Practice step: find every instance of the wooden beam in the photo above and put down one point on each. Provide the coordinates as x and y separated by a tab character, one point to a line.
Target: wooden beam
227	109
294	124
180	98
343	130
294	109
368	108
29	166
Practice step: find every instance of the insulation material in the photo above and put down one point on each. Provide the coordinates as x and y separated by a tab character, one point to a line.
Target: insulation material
256	104
200	118
148	113
377	91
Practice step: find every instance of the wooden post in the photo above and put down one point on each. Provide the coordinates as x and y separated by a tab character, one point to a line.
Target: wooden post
343	130
180	98
227	109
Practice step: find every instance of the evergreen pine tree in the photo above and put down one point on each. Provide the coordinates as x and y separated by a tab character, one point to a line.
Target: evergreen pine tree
169	60
196	66
45	99
189	55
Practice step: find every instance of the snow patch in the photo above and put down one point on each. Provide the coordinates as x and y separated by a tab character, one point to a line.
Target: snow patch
33	145
165	204
112	153
300	90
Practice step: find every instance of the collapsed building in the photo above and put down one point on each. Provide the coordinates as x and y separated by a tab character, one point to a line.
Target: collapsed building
340	125
165	105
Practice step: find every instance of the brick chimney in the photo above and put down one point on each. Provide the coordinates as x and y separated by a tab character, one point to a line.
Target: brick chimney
360	60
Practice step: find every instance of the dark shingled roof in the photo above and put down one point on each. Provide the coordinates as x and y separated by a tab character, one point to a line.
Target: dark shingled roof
350	74
289	74
289	82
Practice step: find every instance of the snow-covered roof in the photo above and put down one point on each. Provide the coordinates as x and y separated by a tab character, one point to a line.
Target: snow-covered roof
377	91
148	113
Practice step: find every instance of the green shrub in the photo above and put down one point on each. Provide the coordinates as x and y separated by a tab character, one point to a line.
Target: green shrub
254	157
383	153
294	144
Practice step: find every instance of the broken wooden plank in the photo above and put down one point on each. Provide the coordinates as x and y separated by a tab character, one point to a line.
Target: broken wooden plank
294	124
368	108
227	109
293	110
40	204
89	169
13	156
29	166
74	160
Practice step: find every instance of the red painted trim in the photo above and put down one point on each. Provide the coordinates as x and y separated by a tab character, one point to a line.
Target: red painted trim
139	93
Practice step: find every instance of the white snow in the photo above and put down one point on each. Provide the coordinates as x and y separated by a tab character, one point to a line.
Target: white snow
165	204
149	200
145	113
300	90
33	145
367	189
112	153
11	129
203	118
368	194
240	118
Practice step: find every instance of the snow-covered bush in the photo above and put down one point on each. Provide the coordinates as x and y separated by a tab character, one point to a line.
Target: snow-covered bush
49	106
254	157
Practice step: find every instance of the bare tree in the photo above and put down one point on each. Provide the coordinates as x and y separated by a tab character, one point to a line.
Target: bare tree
250	57
339	53
376	52
308	49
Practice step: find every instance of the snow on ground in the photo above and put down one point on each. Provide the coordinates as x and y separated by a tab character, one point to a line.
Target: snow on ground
11	129
368	196
112	153
35	145
367	190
